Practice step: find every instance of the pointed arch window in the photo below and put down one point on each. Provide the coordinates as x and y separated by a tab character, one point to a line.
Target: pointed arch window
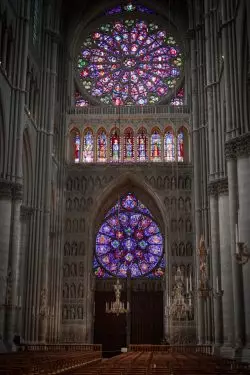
180	145
128	240
155	145
75	145
142	144
115	147
128	145
102	146
169	145
88	146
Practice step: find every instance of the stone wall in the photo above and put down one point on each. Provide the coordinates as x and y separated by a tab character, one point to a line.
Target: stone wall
90	190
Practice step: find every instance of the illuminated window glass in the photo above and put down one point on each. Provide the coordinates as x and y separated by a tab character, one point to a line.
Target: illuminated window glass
102	146
179	98
79	101
180	141
128	145
115	146
88	146
128	240
76	144
155	146
129	7
129	62
169	146
142	151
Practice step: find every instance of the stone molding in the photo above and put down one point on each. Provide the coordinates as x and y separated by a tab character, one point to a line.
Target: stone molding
218	187
238	147
9	189
26	212
5	189
17	191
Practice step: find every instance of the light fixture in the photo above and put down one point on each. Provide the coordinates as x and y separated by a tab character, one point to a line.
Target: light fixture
180	308
117	307
242	253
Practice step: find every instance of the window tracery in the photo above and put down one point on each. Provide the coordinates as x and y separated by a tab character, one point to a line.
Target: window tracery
128	146
129	61
88	146
102	146
129	240
169	145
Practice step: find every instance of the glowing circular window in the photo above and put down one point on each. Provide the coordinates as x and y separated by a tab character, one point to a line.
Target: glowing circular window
129	240
129	62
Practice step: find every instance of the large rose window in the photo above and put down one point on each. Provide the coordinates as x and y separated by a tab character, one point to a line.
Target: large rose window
129	240
129	62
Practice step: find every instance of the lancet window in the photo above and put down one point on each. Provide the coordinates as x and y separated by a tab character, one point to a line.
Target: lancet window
128	146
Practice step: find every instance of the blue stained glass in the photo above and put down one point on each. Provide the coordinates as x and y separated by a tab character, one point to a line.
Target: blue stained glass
128	241
169	146
129	54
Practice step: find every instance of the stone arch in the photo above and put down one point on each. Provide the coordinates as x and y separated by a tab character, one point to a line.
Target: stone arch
107	198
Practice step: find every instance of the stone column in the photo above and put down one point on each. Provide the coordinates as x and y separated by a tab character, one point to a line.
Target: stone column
243	167
216	262
5	221
226	268
197	182
236	268
25	222
14	263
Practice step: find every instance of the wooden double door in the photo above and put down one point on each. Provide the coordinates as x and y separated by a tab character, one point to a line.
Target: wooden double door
146	320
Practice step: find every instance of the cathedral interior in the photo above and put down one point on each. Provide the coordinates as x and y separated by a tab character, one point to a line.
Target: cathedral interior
124	166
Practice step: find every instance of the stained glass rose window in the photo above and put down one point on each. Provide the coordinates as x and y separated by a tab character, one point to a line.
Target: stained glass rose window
129	62
129	240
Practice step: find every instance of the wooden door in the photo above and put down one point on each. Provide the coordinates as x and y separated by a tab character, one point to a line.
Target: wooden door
147	317
109	329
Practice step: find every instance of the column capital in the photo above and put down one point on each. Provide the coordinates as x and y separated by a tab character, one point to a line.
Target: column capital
5	189
26	212
218	187
17	191
237	147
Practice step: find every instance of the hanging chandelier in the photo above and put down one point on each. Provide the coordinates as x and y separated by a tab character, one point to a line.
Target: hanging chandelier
180	308
117	307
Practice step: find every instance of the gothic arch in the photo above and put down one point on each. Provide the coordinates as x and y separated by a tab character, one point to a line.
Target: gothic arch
107	198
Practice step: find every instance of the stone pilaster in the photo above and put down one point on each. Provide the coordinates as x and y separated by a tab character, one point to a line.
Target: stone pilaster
14	262
238	151
5	225
216	264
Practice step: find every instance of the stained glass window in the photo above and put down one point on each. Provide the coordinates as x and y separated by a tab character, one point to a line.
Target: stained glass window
88	146
131	6
129	239
169	145
76	143
129	62
142	145
129	145
115	145
179	98
79	101
180	141
155	145
102	146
